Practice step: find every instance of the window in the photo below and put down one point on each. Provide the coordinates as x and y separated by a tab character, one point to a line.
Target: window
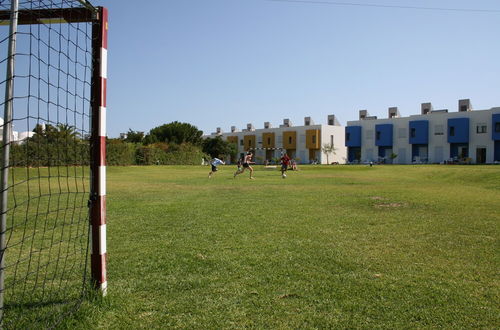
347	136
378	135
438	130
308	123
331	140
330	121
241	143
497	127
463	108
268	141
452	130
290	140
314	139
413	132
481	128
426	111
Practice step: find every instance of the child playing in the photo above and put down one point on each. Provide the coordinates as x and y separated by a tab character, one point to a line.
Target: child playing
215	162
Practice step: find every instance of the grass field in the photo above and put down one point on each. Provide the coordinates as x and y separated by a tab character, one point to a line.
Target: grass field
47	241
328	247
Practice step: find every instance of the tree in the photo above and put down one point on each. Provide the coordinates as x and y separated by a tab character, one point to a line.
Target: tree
328	148
175	132
149	139
54	134
134	136
67	132
52	146
216	147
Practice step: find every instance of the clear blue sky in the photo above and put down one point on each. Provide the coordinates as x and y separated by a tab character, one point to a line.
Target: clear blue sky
231	62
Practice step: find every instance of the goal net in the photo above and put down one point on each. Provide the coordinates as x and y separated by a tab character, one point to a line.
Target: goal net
52	70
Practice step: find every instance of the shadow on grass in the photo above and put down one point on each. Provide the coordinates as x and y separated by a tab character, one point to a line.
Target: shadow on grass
41	314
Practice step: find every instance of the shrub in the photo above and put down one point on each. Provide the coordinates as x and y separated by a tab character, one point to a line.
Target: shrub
120	153
57	153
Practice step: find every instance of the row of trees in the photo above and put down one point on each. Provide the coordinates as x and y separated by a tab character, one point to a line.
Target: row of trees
176	134
51	146
170	144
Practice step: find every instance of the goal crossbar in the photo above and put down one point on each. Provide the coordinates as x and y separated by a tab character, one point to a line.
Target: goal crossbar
50	16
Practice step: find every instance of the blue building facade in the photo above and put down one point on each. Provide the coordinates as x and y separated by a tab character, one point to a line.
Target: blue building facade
419	139
495	135
434	136
458	137
353	143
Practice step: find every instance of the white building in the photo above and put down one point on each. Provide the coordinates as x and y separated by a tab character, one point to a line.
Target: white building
303	143
16	137
433	136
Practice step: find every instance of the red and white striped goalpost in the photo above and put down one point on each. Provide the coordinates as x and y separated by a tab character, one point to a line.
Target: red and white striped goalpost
98	151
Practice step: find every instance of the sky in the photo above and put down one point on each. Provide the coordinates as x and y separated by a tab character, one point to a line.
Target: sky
219	63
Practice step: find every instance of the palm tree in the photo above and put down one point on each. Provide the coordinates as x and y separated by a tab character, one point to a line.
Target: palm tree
65	131
328	149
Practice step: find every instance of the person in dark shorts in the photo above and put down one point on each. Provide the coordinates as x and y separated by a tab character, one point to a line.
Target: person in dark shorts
247	160
285	161
239	164
214	163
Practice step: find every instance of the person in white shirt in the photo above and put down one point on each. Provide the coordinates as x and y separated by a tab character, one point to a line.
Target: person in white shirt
215	162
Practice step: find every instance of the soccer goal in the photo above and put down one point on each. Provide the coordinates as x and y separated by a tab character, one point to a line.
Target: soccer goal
53	56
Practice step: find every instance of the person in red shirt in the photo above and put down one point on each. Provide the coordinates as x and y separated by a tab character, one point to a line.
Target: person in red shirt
285	161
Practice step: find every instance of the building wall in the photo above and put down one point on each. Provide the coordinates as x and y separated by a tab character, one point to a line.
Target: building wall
337	134
299	135
430	145
268	140
438	147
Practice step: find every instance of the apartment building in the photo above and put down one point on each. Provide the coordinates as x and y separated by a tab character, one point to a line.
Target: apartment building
303	143
15	137
433	136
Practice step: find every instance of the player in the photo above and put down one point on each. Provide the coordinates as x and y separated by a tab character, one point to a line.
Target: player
216	161
285	161
247	160
239	164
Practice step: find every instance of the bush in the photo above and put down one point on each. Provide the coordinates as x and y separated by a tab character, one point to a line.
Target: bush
120	153
149	155
42	153
183	154
184	158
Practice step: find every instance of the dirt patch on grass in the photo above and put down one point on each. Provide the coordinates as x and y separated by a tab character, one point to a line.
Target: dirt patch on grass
376	197
389	205
288	295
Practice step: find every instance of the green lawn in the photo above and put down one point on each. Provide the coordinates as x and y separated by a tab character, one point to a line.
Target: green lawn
47	240
327	247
